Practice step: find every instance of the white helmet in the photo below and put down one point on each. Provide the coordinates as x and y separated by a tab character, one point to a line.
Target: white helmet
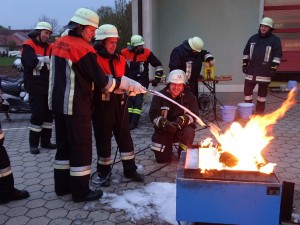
106	31
43	26
196	43
177	77
137	40
86	17
267	21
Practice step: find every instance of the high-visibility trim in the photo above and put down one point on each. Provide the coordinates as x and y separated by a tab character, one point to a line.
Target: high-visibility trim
156	121
51	81
251	49
137	111
183	146
248	97
5	172
127	155
104	161
276	60
80	171
111	84
157	147
62	164
263	79
130	110
261	99
267	53
70	87
207	56
159	68
47	125
249	77
35	128
245	56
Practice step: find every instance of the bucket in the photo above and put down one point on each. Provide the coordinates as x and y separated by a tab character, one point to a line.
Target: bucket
292	84
228	113
245	109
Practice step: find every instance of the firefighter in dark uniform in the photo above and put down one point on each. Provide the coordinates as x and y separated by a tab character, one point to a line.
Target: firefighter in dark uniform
35	59
110	114
74	74
189	57
8	192
138	60
261	57
171	123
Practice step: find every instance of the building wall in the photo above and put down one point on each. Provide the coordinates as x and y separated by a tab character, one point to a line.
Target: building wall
224	25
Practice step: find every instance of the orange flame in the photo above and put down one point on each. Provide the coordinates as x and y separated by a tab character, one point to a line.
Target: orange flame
245	144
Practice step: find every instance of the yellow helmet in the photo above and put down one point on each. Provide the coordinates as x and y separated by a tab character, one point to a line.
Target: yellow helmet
106	31
43	26
267	21
177	77
196	43
86	17
137	40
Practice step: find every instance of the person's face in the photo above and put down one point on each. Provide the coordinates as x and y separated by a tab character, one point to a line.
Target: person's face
264	29
88	33
176	89
110	44
45	35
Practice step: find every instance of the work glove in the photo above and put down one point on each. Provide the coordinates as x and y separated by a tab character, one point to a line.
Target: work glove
168	126
155	82
132	86
274	68
158	76
183	120
245	65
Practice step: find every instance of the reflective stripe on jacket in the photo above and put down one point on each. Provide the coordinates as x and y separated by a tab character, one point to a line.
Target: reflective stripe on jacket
73	74
262	51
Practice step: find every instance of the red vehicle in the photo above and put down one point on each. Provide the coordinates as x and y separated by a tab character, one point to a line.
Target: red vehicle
286	15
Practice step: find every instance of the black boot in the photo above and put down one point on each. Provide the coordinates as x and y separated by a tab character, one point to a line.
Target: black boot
135	176
34	139
45	139
15	194
92	196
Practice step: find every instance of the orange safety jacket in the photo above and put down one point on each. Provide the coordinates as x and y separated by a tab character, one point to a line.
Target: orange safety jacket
73	74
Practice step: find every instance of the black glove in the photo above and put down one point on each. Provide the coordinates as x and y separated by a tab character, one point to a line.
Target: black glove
274	68
155	82
171	127
168	126
183	120
245	65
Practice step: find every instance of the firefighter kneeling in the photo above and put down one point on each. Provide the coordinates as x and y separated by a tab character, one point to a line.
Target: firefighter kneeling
171	123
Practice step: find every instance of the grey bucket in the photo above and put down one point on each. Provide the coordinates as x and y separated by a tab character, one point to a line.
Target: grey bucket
245	109
228	113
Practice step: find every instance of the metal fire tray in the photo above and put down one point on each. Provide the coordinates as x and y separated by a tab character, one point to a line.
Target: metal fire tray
191	170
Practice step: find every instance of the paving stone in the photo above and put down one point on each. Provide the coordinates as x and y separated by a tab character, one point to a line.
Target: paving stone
35	172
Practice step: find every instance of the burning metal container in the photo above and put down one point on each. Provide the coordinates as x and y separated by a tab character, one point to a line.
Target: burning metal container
225	196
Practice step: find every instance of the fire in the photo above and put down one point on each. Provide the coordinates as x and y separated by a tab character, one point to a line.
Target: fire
241	147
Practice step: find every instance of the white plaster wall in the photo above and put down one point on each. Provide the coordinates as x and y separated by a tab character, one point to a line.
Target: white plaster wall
224	25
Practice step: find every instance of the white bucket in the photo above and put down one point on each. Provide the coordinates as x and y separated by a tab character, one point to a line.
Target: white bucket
292	84
228	113
245	109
